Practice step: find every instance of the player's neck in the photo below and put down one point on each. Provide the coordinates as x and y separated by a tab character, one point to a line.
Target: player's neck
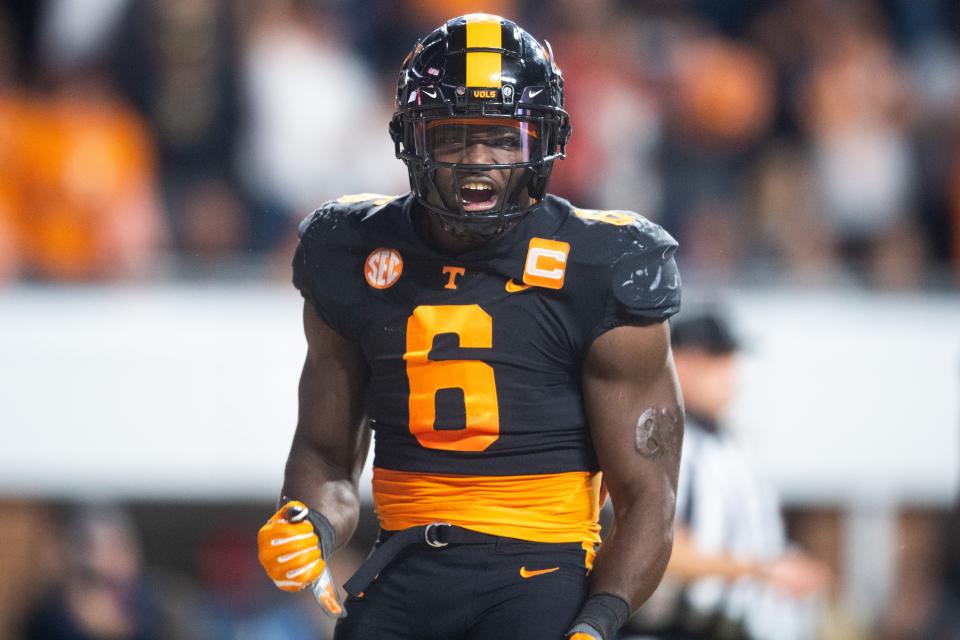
431	231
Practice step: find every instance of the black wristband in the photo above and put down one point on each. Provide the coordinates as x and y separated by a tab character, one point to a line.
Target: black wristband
323	528
325	532
605	612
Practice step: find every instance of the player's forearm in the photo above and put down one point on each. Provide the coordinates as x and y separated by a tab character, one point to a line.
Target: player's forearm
328	487
634	555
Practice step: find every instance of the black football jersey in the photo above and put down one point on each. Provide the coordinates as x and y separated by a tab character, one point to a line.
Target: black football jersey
475	359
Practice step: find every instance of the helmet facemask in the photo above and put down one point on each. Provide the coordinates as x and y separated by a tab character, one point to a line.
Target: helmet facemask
478	174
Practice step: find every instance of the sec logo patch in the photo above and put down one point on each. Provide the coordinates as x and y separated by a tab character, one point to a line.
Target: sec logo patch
383	267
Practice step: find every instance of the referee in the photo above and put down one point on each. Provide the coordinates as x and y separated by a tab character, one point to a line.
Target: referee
731	575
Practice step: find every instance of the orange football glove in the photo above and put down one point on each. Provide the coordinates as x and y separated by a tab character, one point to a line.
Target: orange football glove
290	551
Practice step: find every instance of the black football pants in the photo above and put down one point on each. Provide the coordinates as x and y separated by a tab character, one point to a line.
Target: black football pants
504	590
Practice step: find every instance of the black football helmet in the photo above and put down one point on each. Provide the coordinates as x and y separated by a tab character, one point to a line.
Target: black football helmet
479	77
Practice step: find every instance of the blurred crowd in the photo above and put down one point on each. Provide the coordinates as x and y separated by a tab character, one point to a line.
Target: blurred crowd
147	572
188	571
811	141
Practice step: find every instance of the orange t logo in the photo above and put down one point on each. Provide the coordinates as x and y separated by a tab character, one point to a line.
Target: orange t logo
453	273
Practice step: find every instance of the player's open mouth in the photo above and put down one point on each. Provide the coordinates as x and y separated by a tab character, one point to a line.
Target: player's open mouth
478	194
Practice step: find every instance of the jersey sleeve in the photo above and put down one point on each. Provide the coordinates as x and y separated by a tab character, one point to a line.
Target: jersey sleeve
645	279
325	268
642	280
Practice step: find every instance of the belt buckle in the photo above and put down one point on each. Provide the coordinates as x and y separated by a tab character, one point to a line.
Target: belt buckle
433	541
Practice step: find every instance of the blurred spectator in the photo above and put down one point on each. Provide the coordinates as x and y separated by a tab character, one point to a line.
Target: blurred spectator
180	68
242	603
89	207
77	192
312	103
857	111
719	105
383	31
944	623
953	200
897	257
912	608
723	92
433	13
72	30
238	603
14	114
98	592
713	232
213	228
737	577
614	113
27	556
933	59
788	218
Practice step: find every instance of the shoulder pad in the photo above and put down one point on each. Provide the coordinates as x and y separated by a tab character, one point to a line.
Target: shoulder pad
334	221
644	278
329	259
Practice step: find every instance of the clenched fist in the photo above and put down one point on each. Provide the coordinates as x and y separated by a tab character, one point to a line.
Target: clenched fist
289	548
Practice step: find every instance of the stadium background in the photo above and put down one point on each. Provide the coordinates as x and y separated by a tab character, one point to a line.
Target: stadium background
155	158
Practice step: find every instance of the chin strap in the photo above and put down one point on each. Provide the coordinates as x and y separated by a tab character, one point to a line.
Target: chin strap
496	228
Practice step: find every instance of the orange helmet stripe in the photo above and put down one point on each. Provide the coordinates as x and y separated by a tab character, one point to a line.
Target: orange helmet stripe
483	67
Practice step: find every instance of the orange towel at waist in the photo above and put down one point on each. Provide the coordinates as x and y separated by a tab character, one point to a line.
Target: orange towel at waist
556	507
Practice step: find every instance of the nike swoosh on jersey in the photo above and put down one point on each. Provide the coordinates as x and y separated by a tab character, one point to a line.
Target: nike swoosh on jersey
538	572
513	287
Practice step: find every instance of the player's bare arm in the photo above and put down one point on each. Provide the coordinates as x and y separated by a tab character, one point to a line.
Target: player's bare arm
331	440
636	419
320	502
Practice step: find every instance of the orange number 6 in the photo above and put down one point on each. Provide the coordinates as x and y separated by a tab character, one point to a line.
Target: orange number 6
474	327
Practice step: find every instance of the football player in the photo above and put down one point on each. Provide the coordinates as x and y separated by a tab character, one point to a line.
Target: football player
511	354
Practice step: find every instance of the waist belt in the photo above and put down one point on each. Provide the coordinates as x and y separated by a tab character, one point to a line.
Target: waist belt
435	534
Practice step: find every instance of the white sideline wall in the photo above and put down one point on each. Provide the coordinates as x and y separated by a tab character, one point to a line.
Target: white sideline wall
189	391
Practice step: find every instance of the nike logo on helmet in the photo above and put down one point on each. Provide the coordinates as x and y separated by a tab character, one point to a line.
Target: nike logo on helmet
538	572
513	287
430	94
534	94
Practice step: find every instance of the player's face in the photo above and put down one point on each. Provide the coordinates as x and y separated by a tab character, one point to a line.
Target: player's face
480	142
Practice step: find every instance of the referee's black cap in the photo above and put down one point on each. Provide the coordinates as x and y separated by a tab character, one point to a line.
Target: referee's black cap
707	330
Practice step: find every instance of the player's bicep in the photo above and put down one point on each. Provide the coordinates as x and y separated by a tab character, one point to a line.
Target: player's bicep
332	387
635	411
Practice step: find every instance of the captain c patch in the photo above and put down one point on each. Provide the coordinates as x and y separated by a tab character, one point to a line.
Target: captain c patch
546	263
